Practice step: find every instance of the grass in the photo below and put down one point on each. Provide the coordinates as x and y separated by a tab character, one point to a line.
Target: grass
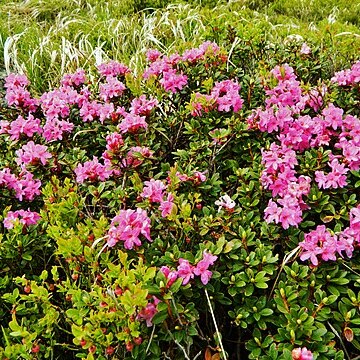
45	38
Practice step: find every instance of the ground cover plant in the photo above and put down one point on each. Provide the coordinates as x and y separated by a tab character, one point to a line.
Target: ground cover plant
203	205
127	200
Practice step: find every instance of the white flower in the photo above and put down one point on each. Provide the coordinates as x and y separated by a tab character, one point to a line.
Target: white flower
226	202
305	49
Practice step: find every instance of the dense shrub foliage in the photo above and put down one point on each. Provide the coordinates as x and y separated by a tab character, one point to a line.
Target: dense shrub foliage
197	209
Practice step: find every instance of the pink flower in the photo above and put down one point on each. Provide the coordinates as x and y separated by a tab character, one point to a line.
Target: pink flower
142	106
185	271
132	124
171	276
202	266
114	142
149	311
226	94
25	186
127	227
73	80
302	354
318	242
54	129
136	156
25	217
166	206
172	81
92	170
199	176
32	153
113	88
355	218
152	55
113	68
153	190
28	127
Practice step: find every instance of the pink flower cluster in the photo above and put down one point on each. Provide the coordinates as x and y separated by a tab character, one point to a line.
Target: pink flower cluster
74	80
112	88
127	227
348	77
186	271
154	191
166	68
132	124
25	217
24	185
32	154
279	176
224	97
335	179
113	69
149	311
321	244
142	106
92	170
17	94
21	126
302	354
297	132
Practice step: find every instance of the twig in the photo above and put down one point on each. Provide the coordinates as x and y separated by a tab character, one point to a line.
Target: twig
216	327
287	258
151	337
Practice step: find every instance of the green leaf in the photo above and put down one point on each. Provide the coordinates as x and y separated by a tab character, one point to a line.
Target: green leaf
266	312
160	317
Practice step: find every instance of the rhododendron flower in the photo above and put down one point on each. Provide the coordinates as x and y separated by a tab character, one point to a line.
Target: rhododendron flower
318	242
133	123
225	202
4	126
32	153
200	176
92	170
355	218
171	276
202	266
172	81
166	206
28	127
149	311
127	227
25	217
152	55
142	106
113	68
348	76
111	89
76	79
114	142
185	271
136	155
54	129
153	190
25	186
335	179
226	95
302	354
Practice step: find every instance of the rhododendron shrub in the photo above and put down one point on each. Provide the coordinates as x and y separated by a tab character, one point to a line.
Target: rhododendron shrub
137	207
